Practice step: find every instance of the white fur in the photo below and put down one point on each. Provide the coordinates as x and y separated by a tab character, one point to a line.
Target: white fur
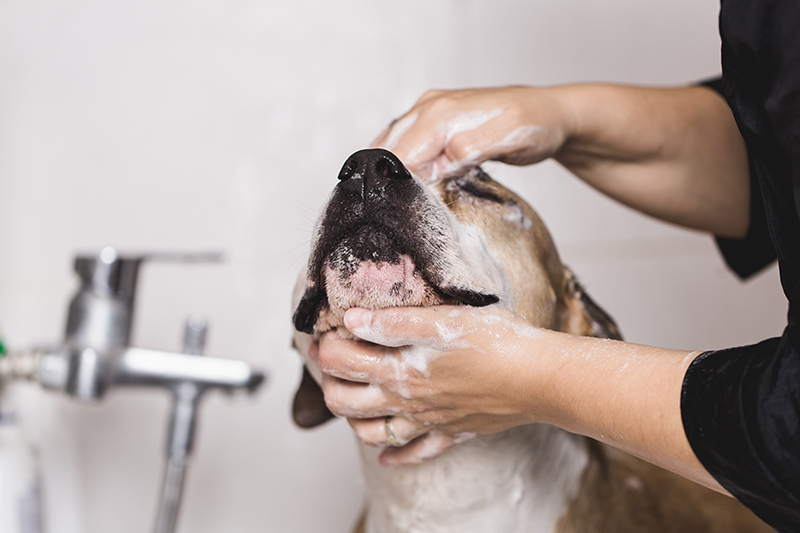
517	481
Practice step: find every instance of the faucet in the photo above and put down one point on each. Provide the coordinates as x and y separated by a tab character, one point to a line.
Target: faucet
96	355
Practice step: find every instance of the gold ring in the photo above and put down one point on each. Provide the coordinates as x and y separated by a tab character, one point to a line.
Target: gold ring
391	437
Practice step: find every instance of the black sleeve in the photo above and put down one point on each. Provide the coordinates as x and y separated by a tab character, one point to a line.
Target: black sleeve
749	255
741	413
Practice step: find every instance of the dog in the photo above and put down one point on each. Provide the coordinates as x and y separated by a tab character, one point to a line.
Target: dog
467	240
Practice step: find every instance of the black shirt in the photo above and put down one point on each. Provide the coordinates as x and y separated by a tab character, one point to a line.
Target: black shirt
741	406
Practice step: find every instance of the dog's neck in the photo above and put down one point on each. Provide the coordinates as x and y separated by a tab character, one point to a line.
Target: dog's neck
515	481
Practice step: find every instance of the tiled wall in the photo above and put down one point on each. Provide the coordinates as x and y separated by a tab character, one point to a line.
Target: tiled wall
221	125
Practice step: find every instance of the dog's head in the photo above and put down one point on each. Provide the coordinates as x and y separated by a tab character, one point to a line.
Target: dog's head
388	239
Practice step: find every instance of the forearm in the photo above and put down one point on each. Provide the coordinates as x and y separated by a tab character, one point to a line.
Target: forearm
622	394
673	153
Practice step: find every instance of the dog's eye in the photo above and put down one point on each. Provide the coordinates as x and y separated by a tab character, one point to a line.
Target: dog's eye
478	185
476	190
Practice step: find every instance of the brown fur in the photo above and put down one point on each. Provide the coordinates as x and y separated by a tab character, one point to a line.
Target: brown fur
622	494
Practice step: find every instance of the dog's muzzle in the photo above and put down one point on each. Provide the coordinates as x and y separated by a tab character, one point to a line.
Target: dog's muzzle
383	241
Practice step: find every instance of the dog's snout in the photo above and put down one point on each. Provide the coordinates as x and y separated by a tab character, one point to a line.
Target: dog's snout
371	170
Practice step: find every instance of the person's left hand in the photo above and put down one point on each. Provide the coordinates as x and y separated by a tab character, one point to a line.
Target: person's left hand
444	373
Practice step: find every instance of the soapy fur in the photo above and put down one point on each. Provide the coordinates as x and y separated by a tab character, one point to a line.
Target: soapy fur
509	496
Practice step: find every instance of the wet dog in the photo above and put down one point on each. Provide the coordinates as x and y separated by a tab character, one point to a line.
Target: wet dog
388	239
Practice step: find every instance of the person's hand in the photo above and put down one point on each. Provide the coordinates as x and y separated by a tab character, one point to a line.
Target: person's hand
448	132
444	373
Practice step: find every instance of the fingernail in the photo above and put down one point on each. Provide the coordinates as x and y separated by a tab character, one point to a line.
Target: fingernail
357	317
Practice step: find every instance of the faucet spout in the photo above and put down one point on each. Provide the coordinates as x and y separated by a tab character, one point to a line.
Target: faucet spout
140	366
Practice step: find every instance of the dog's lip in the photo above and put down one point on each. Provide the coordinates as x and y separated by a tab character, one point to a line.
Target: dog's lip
397	281
375	275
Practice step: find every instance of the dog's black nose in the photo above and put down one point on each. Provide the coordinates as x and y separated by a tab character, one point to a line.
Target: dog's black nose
368	171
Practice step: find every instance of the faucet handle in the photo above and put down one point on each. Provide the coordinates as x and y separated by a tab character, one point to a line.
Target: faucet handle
194	336
101	312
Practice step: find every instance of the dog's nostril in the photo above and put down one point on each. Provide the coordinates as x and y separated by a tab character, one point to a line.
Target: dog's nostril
348	169
388	169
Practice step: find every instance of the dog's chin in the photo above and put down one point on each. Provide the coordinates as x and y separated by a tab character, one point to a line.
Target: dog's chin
375	285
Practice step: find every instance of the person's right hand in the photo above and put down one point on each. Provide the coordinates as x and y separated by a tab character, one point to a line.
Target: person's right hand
448	132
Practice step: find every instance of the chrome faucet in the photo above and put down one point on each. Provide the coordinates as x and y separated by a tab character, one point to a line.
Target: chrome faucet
96	355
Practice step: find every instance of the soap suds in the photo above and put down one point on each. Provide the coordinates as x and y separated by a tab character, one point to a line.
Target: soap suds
448	335
522	136
418	358
459	438
469	120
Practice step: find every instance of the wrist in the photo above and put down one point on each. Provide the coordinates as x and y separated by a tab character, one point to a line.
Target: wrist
532	383
569	104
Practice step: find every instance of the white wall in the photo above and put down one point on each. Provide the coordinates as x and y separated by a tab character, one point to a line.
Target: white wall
221	125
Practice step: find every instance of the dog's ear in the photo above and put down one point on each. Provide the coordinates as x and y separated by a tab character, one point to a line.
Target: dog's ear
309	409
583	316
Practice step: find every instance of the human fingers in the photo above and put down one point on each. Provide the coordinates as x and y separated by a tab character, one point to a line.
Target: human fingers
357	400
364	380
389	137
421	136
453	131
416	144
386	431
501	140
530	128
419	450
353	360
425	145
313	351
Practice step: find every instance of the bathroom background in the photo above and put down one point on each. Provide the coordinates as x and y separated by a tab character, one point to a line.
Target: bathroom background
221	125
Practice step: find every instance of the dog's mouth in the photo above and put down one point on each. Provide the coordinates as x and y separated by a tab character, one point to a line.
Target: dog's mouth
381	243
368	270
365	269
